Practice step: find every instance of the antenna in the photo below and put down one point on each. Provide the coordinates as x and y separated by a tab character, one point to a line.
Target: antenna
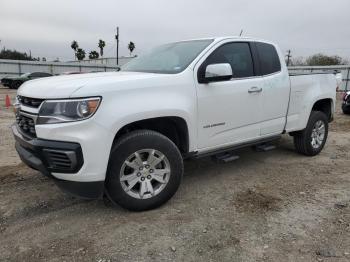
240	34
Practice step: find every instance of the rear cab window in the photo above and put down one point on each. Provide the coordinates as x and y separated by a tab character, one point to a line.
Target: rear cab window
269	60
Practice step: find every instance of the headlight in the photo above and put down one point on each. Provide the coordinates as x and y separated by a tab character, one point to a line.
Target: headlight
60	111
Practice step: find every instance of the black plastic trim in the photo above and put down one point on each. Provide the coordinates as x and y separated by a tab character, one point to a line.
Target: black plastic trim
86	190
32	153
231	148
28	149
255	57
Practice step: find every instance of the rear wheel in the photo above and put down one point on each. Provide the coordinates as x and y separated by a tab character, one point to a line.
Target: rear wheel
145	170
311	140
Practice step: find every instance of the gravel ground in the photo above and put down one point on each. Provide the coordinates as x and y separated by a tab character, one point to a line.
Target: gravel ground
271	206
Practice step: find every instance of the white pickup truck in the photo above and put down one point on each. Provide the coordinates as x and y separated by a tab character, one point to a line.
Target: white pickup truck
125	134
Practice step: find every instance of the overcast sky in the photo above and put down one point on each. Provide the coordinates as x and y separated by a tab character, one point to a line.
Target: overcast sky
47	27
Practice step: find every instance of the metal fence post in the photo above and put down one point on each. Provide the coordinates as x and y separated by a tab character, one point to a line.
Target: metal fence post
347	79
19	69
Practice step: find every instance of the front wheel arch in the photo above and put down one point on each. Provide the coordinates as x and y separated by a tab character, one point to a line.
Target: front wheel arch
173	127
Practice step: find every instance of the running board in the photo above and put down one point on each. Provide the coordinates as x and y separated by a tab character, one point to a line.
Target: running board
225	157
232	148
264	147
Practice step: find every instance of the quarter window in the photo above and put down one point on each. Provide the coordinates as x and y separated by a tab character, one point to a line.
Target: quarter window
39	74
238	55
269	59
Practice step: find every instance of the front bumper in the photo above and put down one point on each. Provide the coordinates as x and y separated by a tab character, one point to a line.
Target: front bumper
49	157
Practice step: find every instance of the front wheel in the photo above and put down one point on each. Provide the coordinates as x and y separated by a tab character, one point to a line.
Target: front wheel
145	170
312	139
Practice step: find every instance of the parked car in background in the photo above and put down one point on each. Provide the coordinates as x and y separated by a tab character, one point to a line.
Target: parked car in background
70	73
346	103
15	82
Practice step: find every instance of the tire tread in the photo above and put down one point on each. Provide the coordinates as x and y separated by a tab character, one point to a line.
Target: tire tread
133	204
301	143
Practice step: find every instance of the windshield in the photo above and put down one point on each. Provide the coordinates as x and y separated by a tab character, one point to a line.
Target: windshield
168	59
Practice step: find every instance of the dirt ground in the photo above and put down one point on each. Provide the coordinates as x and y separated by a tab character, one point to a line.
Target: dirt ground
271	206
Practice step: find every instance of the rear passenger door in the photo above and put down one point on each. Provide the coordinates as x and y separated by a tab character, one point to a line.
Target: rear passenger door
276	88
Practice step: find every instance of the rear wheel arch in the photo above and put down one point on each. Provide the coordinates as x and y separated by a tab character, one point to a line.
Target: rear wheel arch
324	105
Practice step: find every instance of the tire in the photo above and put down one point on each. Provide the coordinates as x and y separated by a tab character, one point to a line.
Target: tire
304	142
8	85
150	147
16	84
346	109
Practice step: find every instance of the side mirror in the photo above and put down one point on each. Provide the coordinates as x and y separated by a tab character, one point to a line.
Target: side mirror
218	72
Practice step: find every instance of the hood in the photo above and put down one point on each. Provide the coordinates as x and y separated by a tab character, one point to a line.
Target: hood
65	86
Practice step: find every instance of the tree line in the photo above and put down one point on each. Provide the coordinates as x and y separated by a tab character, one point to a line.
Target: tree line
80	53
319	60
16	55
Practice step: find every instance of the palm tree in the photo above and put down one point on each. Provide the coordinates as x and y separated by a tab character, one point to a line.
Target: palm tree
93	55
74	45
80	54
101	45
131	47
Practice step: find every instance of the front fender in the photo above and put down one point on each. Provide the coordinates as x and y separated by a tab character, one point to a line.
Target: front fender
125	108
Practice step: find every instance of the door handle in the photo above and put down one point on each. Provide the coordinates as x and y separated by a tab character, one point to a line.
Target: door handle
254	89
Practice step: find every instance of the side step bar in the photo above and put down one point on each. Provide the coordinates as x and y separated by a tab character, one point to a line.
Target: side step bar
235	147
225	157
264	147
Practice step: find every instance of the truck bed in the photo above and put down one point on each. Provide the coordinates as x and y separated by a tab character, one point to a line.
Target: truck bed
306	89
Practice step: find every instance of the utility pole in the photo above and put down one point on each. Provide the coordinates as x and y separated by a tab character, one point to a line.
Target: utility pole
288	57
117	38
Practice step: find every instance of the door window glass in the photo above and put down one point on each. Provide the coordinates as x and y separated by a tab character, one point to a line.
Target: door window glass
238	55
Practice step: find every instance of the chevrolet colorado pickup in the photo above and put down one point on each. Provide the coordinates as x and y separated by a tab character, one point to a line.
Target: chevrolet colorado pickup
125	134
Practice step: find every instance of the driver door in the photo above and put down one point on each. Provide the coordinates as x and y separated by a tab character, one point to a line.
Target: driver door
229	111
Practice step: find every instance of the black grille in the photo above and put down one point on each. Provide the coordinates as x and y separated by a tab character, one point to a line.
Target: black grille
59	159
26	125
32	102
